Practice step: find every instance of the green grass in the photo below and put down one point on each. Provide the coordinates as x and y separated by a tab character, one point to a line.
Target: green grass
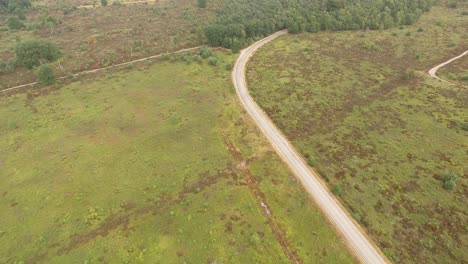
359	105
158	165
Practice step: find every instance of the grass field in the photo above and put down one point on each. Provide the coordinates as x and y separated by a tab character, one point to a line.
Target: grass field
456	71
145	167
361	109
99	37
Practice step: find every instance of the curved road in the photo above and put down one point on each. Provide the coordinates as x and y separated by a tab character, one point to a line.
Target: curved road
433	72
355	237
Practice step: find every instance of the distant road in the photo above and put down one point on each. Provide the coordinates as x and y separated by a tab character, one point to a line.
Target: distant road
361	245
433	72
122	2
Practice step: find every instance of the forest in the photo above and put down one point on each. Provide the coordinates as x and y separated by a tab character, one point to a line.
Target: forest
239	22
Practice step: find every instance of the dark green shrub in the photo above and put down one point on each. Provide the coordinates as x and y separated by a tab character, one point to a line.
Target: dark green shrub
32	53
104	2
201	3
337	190
450	182
311	162
14	23
45	75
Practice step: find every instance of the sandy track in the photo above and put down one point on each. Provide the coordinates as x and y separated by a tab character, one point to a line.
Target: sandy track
433	72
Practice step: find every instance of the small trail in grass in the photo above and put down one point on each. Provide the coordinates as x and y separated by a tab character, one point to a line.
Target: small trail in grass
252	183
121	3
103	68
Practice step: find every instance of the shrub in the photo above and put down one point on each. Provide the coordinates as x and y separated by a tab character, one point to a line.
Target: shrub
337	190
14	5
464	13
228	67
32	53
420	29
205	52
201	3
465	126
104	2
449	182
311	162
213	60
45	75
8	66
14	23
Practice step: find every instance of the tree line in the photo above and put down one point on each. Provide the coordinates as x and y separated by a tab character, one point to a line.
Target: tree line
239	22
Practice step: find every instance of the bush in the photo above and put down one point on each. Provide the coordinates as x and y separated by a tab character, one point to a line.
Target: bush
14	23
450	182
14	5
201	3
205	52
311	162
8	66
337	190
32	53
464	126
45	75
213	60
104	2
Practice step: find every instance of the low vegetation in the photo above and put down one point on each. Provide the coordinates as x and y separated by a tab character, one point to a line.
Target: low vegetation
144	167
456	71
390	141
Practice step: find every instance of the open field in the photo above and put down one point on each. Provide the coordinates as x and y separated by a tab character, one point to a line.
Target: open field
384	135
144	167
92	38
456	71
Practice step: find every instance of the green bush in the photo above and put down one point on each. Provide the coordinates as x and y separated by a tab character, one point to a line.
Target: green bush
15	23
201	3
213	60
32	53
45	75
104	2
450	182
8	66
337	190
311	162
205	52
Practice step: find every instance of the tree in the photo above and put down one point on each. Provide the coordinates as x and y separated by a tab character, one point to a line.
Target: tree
32	53
104	2
45	74
201	3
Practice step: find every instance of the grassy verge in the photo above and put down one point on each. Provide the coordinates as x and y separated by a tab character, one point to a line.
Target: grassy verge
154	165
387	138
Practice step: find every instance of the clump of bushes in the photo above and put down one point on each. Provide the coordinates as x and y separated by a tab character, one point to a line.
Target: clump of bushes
205	52
213	60
45	74
7	66
14	23
32	53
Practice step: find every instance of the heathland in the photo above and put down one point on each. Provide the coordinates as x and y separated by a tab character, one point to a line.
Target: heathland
389	140
140	166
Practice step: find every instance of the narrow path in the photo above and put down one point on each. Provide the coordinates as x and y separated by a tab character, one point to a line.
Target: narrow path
433	72
101	69
364	249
